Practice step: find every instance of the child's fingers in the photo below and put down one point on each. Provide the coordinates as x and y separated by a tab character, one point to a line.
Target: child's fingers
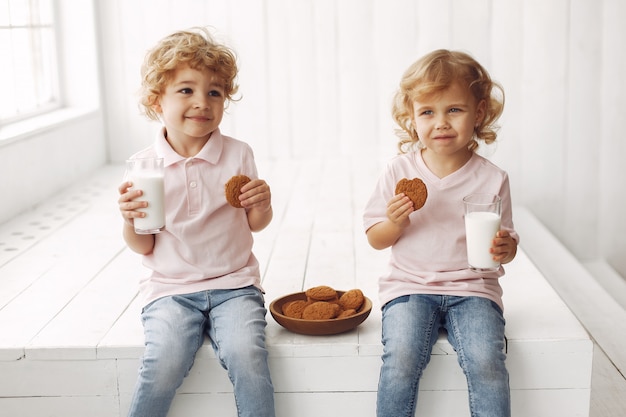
399	208
253	188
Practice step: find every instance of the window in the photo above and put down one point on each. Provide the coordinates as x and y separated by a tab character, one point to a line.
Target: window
28	74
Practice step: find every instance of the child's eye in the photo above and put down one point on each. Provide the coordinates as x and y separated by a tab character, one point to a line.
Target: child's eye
186	91
427	112
215	93
455	110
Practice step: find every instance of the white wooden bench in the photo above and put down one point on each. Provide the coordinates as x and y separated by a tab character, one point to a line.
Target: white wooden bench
71	339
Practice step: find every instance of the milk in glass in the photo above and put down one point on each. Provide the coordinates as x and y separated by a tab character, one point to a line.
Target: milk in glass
146	174
481	229
482	222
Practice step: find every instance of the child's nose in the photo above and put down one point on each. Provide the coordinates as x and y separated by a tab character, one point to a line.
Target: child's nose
201	102
442	123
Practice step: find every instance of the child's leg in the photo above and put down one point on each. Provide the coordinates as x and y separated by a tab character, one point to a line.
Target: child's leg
476	330
410	328
174	330
237	330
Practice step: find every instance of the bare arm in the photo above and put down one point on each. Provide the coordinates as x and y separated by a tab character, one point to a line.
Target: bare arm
256	198
384	234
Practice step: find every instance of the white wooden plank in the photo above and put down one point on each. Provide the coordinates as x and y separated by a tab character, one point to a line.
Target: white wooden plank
559	403
544	102
125	339
395	46
357	78
279	100
529	296
249	115
612	181
81	260
68	406
471	28
127	371
94	310
325	78
601	315
279	175
546	403
584	106
303	91
507	69
609	279
434	23
608	388
25	230
286	268
549	370
28	378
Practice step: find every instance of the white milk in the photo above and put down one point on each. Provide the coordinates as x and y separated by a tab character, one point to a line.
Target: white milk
153	192
481	228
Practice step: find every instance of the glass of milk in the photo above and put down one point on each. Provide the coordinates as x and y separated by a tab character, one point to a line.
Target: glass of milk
146	174
482	222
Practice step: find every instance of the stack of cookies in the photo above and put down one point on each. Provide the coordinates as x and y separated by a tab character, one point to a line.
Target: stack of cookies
325	303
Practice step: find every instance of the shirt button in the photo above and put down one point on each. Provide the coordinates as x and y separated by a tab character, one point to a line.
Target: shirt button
193	184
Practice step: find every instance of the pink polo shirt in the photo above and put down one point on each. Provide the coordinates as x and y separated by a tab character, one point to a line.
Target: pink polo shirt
206	244
431	256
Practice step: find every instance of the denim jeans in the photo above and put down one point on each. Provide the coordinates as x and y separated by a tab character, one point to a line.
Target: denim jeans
174	329
475	327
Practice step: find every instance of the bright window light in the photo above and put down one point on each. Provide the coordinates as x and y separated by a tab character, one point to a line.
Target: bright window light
28	74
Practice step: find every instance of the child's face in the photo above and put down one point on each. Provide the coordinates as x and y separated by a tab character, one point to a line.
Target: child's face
192	104
445	121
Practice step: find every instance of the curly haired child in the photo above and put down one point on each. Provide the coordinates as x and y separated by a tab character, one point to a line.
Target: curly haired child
204	279
445	105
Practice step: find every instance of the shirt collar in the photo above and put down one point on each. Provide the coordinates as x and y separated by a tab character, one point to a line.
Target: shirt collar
210	152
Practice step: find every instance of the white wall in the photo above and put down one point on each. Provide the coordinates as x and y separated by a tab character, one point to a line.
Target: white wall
39	157
317	76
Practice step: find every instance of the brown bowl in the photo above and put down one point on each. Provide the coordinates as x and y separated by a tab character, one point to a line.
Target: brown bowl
317	327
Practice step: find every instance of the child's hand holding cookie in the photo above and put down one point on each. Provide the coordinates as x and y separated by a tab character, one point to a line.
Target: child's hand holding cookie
256	194
242	192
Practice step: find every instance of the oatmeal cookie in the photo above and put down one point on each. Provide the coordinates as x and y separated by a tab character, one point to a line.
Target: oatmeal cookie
415	189
232	189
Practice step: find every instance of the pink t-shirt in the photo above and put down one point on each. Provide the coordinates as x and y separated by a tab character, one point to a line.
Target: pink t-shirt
431	256
206	244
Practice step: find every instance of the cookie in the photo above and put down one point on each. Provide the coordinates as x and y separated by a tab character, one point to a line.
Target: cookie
232	189
321	310
321	293
346	313
415	189
295	308
352	300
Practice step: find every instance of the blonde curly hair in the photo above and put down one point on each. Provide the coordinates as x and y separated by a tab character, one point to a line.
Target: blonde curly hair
195	48
432	74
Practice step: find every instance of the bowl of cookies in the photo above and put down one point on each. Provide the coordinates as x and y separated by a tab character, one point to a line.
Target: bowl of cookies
321	310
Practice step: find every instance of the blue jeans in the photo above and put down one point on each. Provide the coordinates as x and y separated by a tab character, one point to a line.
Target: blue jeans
475	327
174	329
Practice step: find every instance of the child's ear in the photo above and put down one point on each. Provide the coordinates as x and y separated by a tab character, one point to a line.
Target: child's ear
481	111
156	105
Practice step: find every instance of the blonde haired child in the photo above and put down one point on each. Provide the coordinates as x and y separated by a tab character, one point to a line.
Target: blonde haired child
204	278
446	103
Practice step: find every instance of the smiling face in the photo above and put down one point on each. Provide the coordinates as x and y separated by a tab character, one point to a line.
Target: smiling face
445	122
191	107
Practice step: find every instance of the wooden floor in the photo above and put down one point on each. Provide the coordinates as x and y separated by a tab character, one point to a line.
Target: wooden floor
322	190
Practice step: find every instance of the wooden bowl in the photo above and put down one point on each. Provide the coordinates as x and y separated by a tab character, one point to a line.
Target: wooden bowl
317	327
